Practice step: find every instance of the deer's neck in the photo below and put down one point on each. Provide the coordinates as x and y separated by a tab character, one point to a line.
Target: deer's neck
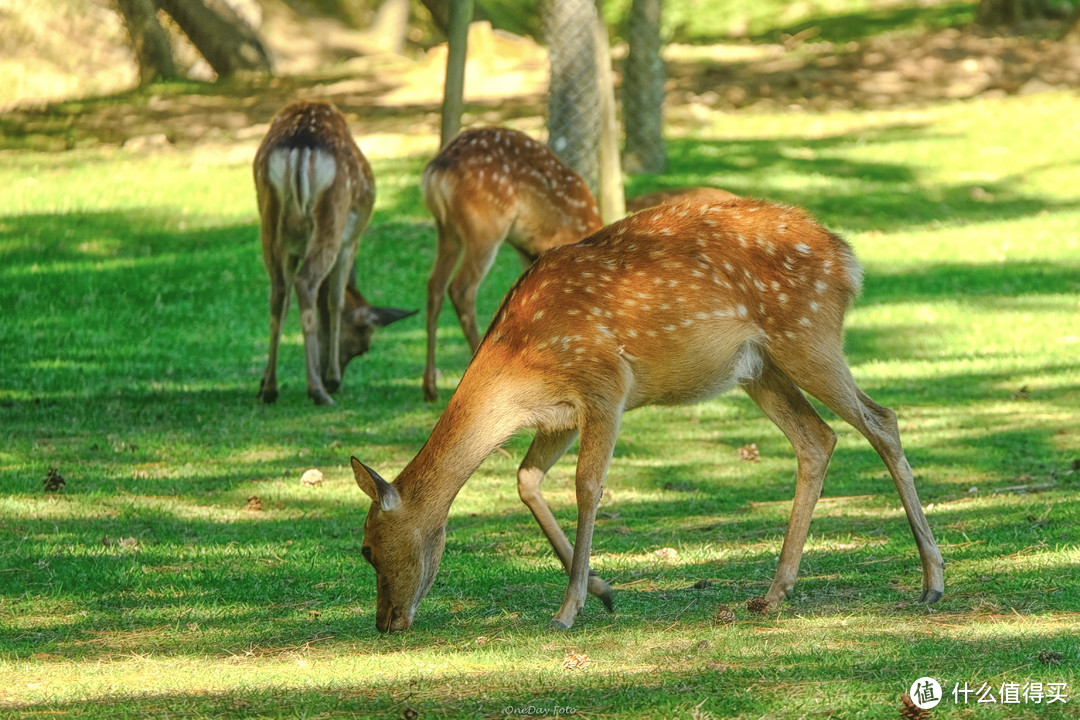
477	421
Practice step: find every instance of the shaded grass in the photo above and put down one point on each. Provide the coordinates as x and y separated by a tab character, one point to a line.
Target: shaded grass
132	339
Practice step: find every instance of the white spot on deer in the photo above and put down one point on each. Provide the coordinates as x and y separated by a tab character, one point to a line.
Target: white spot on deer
805	322
782	297
573	311
724	313
672	283
669	328
814	306
742	239
651	333
775	285
539	314
728	266
759	285
686	322
826	267
789	334
664	231
741	309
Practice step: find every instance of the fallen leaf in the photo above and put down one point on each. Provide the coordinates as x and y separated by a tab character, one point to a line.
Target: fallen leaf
311	478
54	481
749	453
576	661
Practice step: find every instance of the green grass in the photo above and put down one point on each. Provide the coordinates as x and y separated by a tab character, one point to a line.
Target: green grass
133	334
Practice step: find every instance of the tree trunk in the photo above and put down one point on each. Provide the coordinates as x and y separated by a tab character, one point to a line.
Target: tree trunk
227	42
574	99
457	39
643	91
612	196
150	41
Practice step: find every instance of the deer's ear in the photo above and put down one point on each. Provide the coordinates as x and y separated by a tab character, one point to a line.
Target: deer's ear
383	316
375	487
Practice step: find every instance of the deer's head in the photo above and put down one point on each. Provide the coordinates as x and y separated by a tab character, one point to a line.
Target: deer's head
359	320
403	548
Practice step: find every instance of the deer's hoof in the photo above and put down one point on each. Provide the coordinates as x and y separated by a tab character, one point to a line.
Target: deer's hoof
321	398
558	626
931	596
758	605
332	386
268	396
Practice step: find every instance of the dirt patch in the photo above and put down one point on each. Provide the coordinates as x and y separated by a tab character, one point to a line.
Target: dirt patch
508	80
886	71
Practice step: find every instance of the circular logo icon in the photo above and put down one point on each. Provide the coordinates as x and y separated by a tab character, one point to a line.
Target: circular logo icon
925	693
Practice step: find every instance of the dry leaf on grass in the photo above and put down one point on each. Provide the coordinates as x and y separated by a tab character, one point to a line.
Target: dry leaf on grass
311	478
749	453
54	481
576	661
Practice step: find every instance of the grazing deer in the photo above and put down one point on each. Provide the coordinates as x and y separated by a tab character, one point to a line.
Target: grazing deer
669	197
486	186
316	191
666	307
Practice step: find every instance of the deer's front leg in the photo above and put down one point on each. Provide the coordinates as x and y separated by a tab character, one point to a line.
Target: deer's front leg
597	445
546	449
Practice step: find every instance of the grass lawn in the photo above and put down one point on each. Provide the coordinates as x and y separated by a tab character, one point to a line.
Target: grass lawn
185	572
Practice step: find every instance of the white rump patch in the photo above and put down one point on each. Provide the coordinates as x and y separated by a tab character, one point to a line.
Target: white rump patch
300	175
748	364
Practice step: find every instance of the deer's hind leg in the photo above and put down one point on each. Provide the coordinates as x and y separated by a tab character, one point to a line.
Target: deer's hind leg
813	441
827	377
447	253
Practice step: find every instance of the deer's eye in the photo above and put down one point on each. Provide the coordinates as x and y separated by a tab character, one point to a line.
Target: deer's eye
366	552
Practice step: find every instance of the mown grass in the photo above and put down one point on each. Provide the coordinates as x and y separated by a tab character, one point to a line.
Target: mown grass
133	334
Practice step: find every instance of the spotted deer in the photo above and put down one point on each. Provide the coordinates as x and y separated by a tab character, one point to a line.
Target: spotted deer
668	197
666	307
315	192
487	186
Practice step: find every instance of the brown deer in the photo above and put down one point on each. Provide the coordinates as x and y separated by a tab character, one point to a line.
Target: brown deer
665	307
316	192
490	185
668	197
